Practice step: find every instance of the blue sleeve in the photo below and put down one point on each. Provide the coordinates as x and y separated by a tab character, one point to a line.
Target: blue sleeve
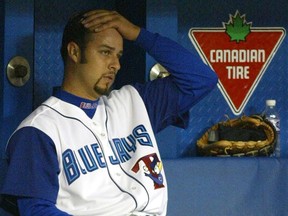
38	207
32	166
169	99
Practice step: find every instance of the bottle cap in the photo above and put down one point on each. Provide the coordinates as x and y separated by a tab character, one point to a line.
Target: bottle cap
270	102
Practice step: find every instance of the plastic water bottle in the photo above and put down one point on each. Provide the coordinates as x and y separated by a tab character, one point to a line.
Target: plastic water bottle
272	115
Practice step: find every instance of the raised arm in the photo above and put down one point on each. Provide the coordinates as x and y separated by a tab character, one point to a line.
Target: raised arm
168	100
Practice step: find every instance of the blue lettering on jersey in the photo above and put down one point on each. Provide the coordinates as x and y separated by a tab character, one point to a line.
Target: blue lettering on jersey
89	162
131	145
113	158
99	156
140	133
122	153
92	158
70	166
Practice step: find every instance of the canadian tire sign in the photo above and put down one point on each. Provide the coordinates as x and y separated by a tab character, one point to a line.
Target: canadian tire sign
239	54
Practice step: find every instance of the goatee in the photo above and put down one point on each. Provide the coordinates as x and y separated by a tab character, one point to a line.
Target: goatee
102	91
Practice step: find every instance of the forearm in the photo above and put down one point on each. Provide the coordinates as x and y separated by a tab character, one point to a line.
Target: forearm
189	72
38	207
190	81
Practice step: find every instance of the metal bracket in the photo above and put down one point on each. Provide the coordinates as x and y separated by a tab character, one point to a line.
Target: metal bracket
18	71
158	71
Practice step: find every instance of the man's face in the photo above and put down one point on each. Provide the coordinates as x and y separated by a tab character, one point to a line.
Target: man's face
101	63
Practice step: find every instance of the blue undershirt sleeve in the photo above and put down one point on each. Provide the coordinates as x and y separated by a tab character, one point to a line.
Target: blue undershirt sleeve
33	166
168	100
38	207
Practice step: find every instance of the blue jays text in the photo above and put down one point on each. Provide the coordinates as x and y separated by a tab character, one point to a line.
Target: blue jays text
92	155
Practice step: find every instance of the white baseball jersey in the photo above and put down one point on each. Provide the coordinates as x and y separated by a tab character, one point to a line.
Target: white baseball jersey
110	164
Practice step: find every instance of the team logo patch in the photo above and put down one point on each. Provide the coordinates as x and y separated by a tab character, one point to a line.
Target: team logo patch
86	105
239	54
152	169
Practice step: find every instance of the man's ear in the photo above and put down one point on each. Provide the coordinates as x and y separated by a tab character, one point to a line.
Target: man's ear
74	52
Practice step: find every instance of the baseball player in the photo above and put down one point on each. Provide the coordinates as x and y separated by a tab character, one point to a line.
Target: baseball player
91	151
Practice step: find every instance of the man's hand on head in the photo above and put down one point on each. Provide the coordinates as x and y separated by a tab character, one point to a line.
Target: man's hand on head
99	20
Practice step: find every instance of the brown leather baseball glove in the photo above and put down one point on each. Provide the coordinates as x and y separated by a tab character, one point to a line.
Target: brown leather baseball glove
243	136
